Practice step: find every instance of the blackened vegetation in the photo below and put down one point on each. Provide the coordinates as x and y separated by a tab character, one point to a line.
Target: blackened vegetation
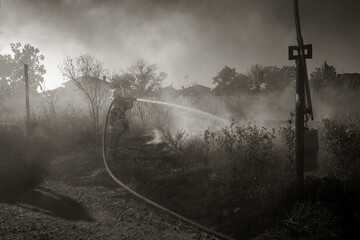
24	162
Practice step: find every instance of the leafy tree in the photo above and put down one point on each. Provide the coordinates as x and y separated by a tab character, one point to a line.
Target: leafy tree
270	78
12	69
258	79
281	78
125	82
323	76
141	79
5	73
240	84
223	79
229	82
86	72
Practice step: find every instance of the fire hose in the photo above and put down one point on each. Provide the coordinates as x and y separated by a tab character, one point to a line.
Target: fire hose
141	197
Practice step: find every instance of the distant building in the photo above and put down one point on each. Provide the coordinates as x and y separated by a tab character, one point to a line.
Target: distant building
70	93
196	90
70	84
169	92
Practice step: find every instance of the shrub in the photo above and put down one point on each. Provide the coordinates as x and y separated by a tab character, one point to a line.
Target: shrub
175	142
245	151
312	221
309	220
287	132
342	151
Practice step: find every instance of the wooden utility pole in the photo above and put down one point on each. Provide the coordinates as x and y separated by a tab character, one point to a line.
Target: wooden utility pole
299	126
26	74
303	105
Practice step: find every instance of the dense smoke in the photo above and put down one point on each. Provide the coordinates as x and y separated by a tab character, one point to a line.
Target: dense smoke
194	38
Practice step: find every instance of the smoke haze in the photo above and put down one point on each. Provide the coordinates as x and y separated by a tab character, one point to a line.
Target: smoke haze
195	38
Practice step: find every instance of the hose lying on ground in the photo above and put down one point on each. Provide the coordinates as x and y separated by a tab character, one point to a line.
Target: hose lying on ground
154	204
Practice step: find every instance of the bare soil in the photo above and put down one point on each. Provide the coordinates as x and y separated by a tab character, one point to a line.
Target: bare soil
78	200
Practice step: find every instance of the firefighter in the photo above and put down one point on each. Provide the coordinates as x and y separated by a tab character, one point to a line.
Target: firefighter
122	103
119	123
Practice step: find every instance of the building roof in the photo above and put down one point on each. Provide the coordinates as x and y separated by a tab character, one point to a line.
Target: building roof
196	90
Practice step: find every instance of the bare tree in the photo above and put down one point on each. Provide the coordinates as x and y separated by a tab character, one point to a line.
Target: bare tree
50	97
86	72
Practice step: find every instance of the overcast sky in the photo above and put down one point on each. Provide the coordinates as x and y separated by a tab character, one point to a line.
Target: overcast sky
194	38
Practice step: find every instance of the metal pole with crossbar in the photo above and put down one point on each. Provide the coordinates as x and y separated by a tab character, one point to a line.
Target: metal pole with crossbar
303	106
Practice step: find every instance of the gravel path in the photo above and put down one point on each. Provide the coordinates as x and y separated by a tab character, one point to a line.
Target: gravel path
63	208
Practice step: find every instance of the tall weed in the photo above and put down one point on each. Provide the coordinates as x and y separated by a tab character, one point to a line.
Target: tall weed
342	147
246	152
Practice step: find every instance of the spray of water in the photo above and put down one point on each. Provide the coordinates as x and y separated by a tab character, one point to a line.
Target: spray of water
219	119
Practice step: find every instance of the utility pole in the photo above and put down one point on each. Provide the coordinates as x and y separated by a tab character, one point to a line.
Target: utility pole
303	106
26	73
299	126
